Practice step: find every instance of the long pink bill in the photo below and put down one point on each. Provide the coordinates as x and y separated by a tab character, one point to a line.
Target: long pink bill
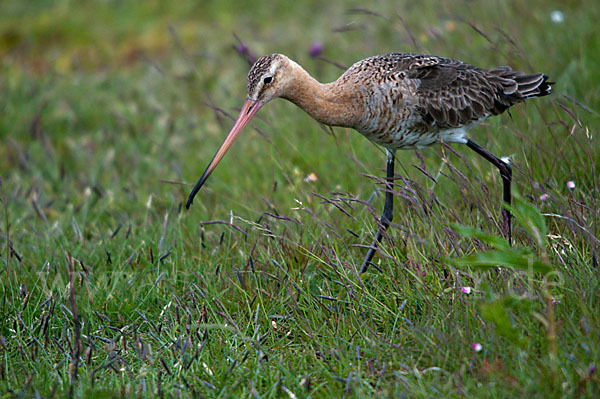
249	109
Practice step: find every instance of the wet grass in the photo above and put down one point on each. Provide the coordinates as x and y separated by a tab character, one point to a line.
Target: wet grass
109	111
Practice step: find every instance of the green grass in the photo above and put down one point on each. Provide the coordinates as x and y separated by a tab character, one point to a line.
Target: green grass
106	118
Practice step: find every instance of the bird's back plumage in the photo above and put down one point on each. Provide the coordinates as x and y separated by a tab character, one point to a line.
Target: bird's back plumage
416	100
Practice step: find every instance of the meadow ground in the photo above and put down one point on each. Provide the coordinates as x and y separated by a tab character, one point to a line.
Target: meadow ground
110	110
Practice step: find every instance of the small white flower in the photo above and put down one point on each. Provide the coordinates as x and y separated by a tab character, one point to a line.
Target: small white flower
543	197
570	184
466	290
477	347
557	17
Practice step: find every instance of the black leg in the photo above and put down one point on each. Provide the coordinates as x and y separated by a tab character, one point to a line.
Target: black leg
506	174
388	210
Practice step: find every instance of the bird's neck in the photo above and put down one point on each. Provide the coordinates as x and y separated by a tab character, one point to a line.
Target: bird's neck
332	103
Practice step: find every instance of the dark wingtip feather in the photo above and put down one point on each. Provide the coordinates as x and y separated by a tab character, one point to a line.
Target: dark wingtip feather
536	85
546	86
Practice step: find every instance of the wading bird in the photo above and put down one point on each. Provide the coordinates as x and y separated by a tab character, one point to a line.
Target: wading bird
399	101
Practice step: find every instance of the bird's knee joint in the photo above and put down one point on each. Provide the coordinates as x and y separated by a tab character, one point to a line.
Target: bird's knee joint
506	171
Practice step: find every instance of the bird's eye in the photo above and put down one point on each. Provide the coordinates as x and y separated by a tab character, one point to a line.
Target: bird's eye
267	79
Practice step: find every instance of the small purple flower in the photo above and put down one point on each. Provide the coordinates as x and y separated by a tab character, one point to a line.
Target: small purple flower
316	49
242	48
570	184
543	197
555	302
592	368
477	347
466	290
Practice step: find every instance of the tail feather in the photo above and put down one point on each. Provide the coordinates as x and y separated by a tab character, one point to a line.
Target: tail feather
515	87
536	85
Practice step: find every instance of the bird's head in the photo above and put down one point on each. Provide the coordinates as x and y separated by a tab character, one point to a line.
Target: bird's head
268	78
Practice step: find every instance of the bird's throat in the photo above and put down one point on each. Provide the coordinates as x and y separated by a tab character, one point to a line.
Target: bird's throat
331	104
